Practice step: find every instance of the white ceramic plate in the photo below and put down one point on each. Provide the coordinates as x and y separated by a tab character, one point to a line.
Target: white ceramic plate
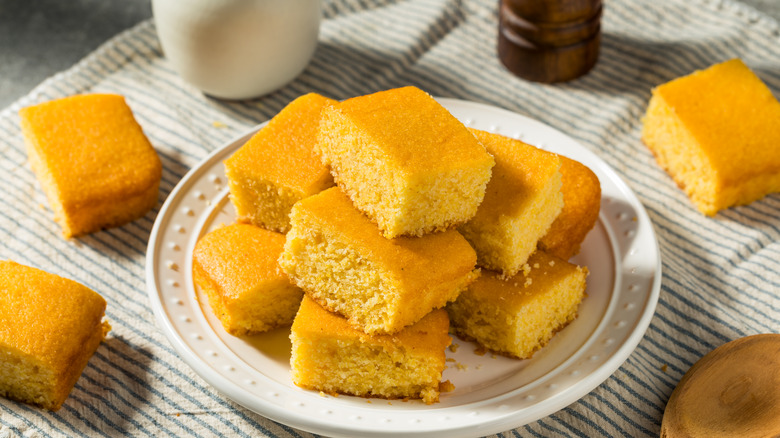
492	393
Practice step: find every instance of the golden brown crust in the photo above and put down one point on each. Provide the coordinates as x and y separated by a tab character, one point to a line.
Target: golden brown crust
718	147
581	204
330	356
279	166
92	160
51	320
404	161
236	266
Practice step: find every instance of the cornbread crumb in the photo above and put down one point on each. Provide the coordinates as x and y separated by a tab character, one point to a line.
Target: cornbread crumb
329	355
446	386
454	347
236	267
664	367
719	146
404	161
527	318
49	328
522	200
278	166
93	161
337	255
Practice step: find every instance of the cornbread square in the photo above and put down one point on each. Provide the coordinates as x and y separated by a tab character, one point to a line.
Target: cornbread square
581	203
331	356
521	202
236	266
337	255
95	165
716	132
404	160
278	166
49	328
518	316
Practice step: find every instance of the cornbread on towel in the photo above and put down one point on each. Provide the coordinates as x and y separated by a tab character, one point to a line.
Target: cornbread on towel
340	259
236	266
518	316
521	202
277	167
93	161
49	328
331	356
716	132
581	203
404	160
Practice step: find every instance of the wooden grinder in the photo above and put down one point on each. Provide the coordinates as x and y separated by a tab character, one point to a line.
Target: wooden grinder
549	40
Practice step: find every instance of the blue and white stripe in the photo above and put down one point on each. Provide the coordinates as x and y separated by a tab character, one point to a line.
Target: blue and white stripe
721	276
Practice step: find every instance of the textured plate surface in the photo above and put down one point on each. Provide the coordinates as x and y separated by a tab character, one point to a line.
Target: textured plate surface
492	393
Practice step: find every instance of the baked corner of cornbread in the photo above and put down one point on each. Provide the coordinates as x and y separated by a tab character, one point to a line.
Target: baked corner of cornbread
581	204
236	267
519	315
279	165
93	161
49	328
716	133
404	161
331	356
338	256
522	200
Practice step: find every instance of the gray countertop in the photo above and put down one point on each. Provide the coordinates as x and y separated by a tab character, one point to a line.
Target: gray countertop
39	38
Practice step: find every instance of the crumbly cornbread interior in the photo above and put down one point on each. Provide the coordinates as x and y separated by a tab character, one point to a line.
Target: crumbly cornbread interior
236	266
404	160
278	166
340	259
522	200
716	132
519	315
331	356
49	328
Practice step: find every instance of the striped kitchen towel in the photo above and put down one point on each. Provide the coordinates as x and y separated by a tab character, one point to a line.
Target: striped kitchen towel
720	275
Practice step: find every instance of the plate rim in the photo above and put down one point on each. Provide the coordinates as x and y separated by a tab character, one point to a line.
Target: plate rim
506	422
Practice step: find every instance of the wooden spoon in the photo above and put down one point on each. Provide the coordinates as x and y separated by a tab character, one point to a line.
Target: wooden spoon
733	391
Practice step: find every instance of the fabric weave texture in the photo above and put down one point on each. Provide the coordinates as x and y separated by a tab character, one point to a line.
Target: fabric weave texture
720	275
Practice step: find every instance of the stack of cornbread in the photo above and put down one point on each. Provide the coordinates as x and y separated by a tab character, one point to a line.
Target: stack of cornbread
430	228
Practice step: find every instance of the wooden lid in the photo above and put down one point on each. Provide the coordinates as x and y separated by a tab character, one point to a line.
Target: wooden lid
558	11
732	391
